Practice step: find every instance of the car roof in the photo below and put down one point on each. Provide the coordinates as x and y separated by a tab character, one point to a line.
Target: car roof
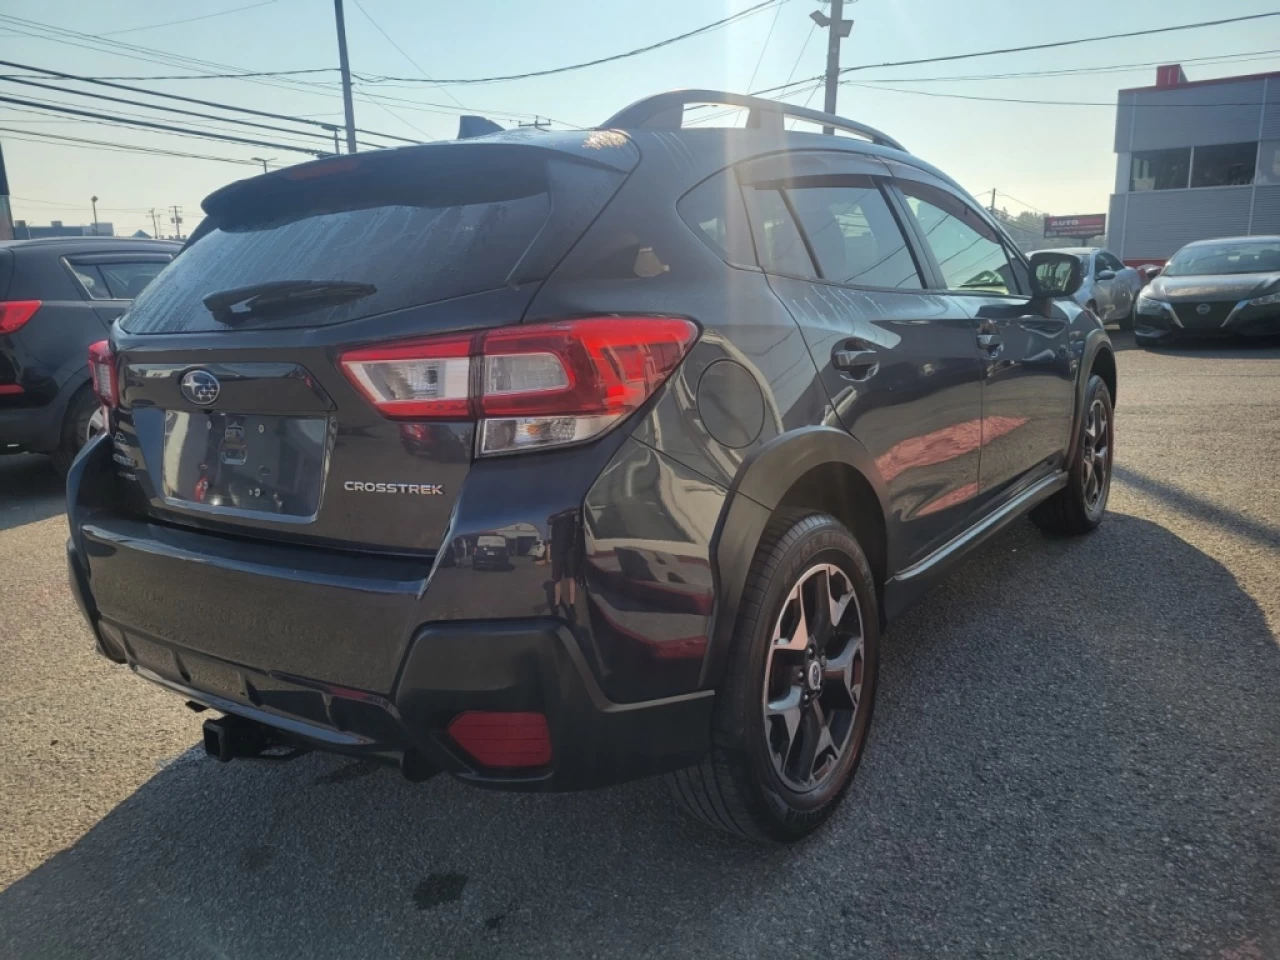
1266	238
92	244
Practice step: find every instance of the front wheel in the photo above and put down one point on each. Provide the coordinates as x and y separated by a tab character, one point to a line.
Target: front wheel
793	713
1078	508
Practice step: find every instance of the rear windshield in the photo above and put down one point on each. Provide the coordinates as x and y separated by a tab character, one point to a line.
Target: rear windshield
411	254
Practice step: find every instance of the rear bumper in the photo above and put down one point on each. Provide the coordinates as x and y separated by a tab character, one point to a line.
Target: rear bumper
36	429
448	668
334	652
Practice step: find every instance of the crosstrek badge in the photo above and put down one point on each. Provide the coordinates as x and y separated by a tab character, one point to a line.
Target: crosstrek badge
420	489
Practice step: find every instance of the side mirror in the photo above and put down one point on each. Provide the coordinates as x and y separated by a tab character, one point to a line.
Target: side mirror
1106	275
1153	272
1055	274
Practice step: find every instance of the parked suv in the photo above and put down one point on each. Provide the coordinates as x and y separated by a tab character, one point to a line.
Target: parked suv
755	389
57	296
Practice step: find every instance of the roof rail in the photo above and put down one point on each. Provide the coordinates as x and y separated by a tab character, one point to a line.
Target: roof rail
665	111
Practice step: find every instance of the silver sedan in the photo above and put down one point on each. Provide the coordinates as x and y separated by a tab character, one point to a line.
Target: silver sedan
1110	289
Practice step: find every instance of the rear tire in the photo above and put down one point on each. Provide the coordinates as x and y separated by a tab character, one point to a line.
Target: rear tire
1078	508
793	712
75	428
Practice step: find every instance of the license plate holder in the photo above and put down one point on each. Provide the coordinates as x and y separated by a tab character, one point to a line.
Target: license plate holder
245	463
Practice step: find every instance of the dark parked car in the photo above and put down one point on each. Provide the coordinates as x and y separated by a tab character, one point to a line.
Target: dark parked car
1213	288
58	296
491	553
757	388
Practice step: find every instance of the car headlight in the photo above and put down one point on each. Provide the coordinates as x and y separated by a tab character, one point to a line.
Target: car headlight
1269	300
1150	305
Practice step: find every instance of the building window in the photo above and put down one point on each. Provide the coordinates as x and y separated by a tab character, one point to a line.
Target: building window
1269	162
1160	169
1224	165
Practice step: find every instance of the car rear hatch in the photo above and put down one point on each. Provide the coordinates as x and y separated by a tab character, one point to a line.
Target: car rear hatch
235	412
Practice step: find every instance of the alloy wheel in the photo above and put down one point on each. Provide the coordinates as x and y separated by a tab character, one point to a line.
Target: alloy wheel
96	424
813	678
1096	454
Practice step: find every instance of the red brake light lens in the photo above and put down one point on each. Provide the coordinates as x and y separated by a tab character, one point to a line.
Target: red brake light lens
14	314
102	371
534	386
503	740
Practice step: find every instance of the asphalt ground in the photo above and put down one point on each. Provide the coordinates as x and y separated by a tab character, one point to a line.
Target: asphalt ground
1076	753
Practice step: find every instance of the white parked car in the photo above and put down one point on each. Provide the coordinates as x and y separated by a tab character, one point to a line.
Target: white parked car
1110	288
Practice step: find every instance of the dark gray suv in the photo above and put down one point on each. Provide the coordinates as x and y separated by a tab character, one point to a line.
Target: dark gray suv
725	401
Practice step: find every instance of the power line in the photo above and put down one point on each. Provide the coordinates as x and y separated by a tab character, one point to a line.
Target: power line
177	110
150	55
328	127
1032	47
115	147
214	76
725	21
414	63
171	23
1072	71
1050	103
167	128
763	48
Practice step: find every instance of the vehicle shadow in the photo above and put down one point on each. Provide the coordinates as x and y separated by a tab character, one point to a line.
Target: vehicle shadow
30	490
1073	755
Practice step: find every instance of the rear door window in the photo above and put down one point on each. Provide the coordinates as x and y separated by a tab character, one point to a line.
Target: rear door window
778	241
91	280
854	236
126	280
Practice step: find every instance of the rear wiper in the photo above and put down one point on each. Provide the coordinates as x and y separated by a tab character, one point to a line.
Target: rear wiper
241	303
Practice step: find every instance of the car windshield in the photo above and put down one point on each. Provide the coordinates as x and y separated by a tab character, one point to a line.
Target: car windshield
1236	256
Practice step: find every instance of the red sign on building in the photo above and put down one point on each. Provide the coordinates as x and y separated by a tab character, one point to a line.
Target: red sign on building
1082	225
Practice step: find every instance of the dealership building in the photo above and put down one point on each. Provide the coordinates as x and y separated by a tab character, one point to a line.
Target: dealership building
1195	160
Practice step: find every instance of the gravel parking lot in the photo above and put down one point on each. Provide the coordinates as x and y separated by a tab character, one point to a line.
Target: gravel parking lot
1076	753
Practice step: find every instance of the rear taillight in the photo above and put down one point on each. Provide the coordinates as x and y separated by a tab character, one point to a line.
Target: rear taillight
102	371
15	313
530	387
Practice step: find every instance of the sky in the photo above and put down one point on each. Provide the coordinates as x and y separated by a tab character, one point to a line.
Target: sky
1048	158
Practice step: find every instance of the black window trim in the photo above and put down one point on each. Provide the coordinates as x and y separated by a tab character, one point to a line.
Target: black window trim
72	260
937	282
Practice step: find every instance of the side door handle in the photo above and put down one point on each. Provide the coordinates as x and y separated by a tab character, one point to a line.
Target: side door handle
855	363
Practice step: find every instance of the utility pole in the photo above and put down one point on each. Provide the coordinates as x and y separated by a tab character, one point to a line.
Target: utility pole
263	161
94	201
538	123
176	220
346	77
837	29
155	224
993	201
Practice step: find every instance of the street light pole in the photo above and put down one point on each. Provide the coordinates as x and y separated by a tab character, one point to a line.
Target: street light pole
347	105
94	201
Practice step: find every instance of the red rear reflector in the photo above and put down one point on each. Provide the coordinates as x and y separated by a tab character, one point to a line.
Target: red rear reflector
11	389
503	740
15	313
102	371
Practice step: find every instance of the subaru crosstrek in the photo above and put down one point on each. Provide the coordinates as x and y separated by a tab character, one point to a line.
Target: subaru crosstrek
730	398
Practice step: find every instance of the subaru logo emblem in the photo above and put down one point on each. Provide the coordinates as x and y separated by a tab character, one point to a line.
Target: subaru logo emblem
1203	309
200	387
